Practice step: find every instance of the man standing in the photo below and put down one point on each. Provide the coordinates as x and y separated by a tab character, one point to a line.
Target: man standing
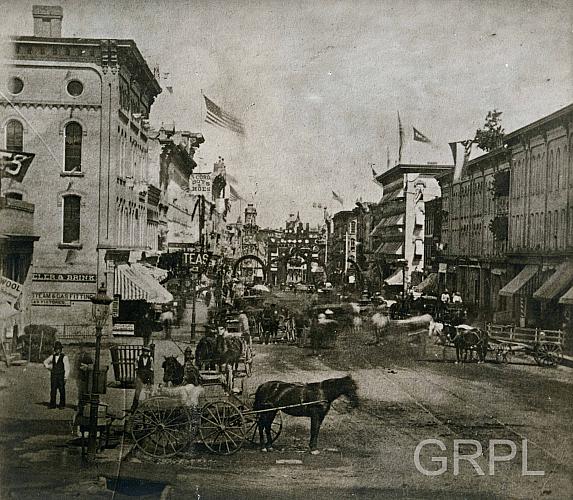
144	374
59	366
244	327
166	319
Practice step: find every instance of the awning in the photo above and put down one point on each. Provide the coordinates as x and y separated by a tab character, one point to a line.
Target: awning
155	272
393	247
429	283
395	279
525	281
557	283
394	220
132	283
567	298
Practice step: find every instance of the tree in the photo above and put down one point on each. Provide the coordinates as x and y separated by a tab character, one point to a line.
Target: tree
491	136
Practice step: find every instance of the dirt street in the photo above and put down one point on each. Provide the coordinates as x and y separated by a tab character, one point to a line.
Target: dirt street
369	452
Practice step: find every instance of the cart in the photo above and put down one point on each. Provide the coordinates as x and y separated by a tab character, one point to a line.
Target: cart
545	346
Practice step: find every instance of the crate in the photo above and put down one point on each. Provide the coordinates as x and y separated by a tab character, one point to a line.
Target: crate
124	361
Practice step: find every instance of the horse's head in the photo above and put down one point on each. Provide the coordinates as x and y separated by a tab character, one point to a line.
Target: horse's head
349	388
171	369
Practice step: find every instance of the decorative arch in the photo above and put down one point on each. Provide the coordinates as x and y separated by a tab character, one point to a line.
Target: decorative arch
250	257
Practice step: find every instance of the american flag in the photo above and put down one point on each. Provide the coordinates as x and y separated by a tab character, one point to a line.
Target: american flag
217	116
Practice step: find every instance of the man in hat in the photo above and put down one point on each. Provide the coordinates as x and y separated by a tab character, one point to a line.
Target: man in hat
244	326
143	375
59	366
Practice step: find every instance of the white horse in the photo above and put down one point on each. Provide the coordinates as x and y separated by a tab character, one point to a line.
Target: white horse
188	395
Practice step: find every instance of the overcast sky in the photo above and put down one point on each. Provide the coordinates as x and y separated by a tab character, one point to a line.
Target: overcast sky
318	84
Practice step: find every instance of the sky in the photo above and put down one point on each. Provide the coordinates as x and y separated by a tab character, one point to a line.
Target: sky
318	85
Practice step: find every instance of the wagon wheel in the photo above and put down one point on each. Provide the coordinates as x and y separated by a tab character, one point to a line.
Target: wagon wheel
222	427
160	427
253	430
548	354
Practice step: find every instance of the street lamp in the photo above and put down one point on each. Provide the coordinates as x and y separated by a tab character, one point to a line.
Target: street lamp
100	314
404	264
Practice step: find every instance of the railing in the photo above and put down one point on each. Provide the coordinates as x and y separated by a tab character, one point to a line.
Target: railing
511	333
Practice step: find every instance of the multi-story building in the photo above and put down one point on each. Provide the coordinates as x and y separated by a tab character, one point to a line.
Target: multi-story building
474	230
432	246
81	106
296	253
508	227
398	222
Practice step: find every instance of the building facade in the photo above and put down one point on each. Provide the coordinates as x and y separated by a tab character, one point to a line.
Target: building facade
81	106
398	222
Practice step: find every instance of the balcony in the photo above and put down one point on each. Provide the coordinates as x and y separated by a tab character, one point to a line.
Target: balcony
16	217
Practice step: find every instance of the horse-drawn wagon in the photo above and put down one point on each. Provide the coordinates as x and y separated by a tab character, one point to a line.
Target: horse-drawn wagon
164	425
545	346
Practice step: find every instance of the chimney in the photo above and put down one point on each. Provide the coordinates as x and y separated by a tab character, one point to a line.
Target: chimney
48	20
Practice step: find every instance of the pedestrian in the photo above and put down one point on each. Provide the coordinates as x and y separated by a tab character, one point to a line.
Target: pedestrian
445	298
83	364
191	374
59	366
275	320
208	298
166	319
266	323
144	374
456	298
145	327
244	327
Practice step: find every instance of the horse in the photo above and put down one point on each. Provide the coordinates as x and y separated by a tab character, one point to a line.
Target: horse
271	395
464	338
176	374
219	350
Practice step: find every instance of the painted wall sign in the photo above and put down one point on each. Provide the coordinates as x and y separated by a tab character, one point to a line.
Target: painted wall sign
10	288
67	296
68	278
125	329
51	302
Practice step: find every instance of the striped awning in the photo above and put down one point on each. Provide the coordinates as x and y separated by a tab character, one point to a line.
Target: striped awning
557	283
395	279
523	284
134	283
393	220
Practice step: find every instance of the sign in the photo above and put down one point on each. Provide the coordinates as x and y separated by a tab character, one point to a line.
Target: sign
442	267
75	278
191	247
50	302
197	261
200	184
115	306
39	298
10	288
124	329
15	165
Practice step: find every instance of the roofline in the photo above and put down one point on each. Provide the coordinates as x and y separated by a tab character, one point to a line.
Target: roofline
121	42
542	121
412	168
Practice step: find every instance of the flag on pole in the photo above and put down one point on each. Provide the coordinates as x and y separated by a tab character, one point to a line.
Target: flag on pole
234	194
454	148
387	157
374	173
418	136
460	160
15	164
337	198
400	137
220	118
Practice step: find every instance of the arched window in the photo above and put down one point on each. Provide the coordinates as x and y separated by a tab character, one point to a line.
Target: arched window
73	147
71	223
14	136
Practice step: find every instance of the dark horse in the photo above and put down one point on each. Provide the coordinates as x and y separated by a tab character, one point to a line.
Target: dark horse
272	395
177	374
219	350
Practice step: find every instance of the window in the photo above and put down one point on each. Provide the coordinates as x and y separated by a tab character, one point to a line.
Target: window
71	226
75	88
15	85
73	147
353	227
14	196
14	136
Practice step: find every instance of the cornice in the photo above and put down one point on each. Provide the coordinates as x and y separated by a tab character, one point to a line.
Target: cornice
49	105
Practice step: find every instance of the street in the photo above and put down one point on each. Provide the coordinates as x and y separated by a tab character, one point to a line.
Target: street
365	453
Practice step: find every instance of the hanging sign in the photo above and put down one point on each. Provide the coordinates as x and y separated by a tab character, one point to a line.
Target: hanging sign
200	184
11	288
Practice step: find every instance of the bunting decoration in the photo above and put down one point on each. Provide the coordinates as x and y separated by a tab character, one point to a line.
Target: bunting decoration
15	164
220	118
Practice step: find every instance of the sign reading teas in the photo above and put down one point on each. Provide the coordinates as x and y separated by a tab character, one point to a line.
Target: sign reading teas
9	287
67	278
200	184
